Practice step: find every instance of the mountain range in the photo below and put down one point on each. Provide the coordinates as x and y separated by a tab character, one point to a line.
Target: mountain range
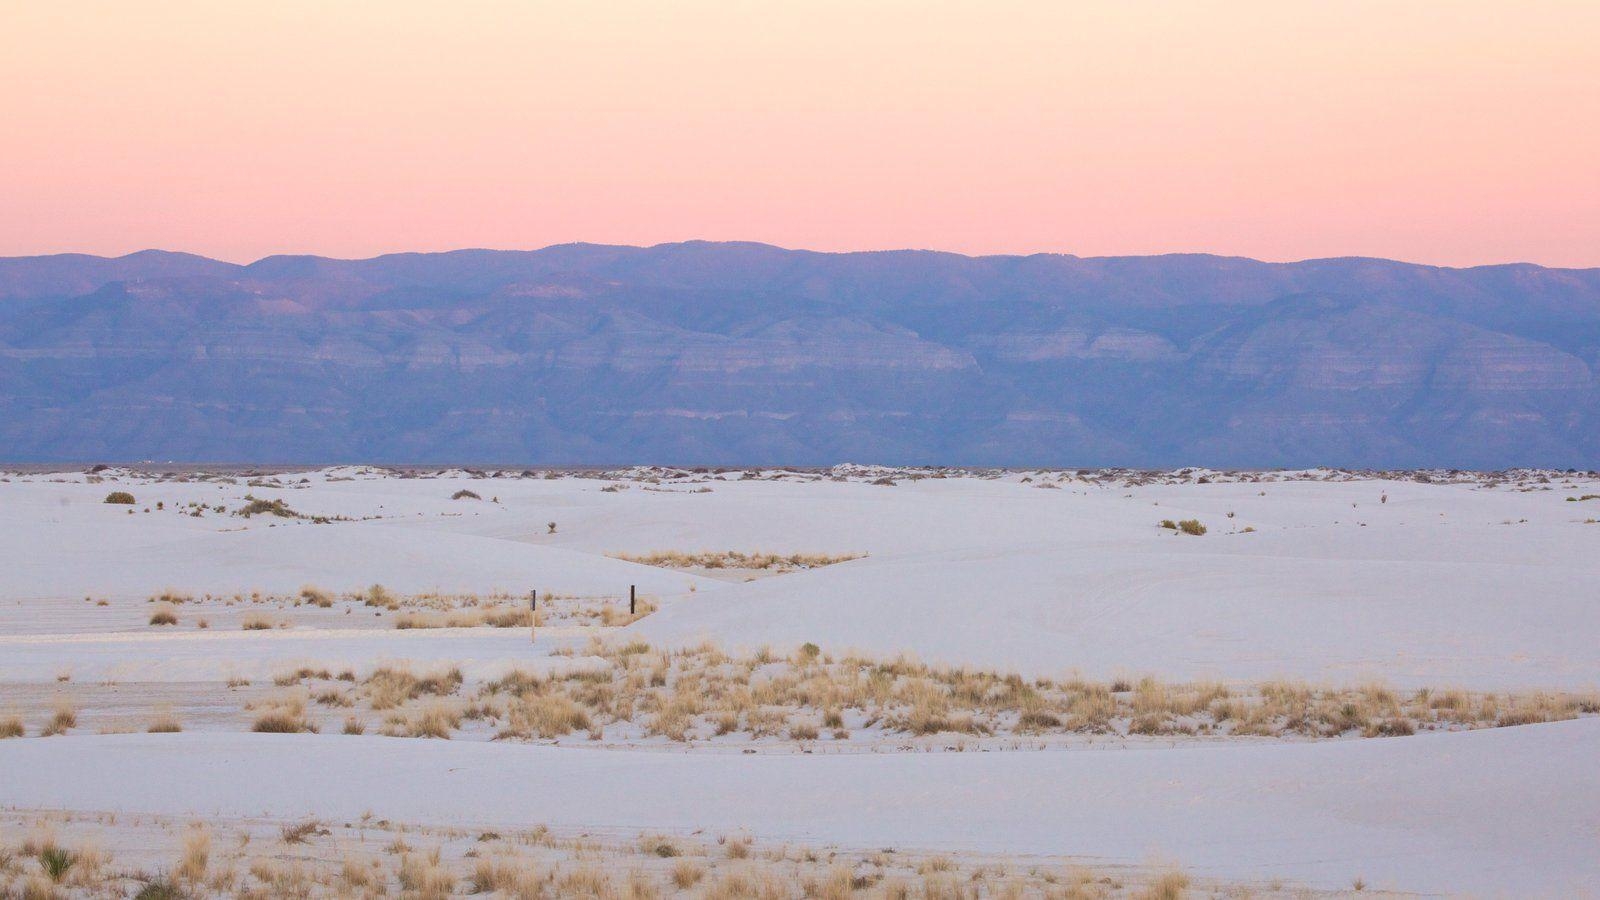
740	353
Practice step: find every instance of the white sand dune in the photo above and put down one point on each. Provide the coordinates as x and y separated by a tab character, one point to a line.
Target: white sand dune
1510	812
1440	585
1046	609
116	558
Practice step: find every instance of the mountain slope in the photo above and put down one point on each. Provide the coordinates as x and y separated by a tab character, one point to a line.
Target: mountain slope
745	353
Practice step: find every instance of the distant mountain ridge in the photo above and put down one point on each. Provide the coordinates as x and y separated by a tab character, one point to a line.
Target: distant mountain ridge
737	353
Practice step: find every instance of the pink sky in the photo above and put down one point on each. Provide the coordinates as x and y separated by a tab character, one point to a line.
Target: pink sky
1445	132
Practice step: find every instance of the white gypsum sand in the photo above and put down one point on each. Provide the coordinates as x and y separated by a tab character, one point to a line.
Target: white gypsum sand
1483	583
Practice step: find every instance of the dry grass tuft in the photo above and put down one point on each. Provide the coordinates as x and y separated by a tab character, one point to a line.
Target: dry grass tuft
391	686
544	716
300	832
424	878
11	727
496	616
508	874
1172	885
164	614
196	855
435	720
284	714
686	873
255	621
165	722
64	719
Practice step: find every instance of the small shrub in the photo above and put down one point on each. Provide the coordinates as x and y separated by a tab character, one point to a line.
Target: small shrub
164	615
1192	526
465	494
121	497
316	596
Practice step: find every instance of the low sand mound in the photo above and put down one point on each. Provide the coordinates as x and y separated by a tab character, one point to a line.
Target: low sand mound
1446	812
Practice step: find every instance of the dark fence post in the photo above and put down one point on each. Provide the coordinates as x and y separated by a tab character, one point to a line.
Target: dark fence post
632	599
533	620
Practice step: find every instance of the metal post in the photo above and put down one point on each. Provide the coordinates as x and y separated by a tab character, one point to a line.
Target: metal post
632	599
533	620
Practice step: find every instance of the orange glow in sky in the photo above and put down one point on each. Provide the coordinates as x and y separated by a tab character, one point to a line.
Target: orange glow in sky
1446	132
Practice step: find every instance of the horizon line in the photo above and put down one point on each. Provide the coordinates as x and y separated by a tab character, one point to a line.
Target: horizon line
779	247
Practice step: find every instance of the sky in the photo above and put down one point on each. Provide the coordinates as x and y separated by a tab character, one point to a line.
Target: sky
1454	133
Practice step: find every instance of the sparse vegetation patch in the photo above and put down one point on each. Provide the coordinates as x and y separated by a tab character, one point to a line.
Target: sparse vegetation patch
735	559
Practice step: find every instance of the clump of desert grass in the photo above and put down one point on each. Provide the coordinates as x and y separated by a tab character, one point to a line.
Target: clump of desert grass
316	596
11	726
120	498
544	715
255	621
736	559
164	614
1186	526
388	687
165	721
1172	884
422	876
282	714
434	719
508	874
63	719
295	676
497	617
195	860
